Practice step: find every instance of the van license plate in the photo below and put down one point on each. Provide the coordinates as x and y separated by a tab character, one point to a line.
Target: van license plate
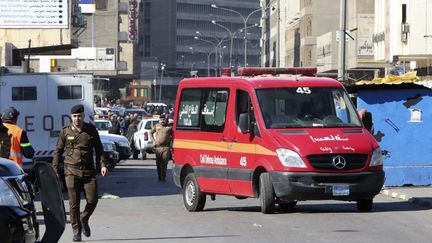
341	190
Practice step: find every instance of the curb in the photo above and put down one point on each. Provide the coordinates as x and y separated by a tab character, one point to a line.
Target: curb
414	200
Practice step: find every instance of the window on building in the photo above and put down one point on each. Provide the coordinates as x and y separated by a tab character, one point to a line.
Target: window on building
404	11
101	5
147	45
24	93
147	26
147	10
70	92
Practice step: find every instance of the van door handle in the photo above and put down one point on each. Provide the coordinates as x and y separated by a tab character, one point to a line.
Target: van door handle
223	139
234	140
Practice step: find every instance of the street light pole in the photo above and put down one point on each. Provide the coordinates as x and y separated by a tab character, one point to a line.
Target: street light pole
208	55
245	20
231	37
342	29
160	83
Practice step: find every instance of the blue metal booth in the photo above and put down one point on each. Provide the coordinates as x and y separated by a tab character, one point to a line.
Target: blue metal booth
402	118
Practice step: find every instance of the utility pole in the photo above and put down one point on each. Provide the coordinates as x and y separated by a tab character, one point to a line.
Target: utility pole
342	29
160	83
278	35
28	56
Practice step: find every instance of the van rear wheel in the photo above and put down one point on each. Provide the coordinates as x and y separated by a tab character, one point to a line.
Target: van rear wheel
194	200
267	198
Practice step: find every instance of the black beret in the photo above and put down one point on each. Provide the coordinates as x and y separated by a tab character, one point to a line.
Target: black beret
163	116
77	109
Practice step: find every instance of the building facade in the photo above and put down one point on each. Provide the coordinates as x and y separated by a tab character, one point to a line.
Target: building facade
93	38
311	37
195	38
403	36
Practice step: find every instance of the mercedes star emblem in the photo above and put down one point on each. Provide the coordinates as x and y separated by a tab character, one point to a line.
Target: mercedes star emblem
339	162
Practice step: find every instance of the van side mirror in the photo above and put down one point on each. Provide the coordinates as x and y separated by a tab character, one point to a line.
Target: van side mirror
367	121
244	122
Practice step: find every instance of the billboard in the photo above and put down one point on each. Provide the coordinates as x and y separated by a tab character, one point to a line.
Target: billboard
87	6
133	20
365	25
34	14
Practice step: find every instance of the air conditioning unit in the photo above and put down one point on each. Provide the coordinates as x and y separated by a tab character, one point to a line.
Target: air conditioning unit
405	28
78	20
404	37
110	51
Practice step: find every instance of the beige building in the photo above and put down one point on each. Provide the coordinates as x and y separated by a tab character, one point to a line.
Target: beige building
96	38
359	51
311	36
403	36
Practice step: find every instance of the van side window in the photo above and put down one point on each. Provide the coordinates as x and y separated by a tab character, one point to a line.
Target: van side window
214	110
24	93
243	104
188	112
69	92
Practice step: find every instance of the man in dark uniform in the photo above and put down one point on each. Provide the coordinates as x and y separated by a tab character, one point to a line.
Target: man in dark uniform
5	141
80	139
162	143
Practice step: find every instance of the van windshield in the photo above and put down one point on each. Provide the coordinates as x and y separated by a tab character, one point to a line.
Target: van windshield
306	107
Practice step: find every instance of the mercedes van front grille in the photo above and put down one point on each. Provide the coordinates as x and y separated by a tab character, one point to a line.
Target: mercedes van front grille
338	161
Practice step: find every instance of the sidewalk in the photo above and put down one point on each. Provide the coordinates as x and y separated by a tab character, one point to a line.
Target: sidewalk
420	195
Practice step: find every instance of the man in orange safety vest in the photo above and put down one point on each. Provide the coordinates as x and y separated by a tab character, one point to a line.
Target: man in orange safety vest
20	144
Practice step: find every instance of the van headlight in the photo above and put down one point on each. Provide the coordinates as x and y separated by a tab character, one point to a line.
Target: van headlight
377	158
7	196
290	158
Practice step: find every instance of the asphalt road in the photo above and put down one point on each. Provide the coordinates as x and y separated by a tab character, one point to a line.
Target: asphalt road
152	211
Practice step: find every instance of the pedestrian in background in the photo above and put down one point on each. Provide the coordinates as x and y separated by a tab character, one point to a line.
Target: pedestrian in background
80	139
115	125
161	136
20	144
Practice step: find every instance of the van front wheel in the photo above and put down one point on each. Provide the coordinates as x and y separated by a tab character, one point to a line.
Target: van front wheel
267	197
194	200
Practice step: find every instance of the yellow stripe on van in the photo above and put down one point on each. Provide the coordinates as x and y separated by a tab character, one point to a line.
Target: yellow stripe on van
243	148
222	146
265	151
201	145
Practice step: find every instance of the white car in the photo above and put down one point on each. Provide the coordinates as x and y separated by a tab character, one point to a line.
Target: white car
102	126
141	140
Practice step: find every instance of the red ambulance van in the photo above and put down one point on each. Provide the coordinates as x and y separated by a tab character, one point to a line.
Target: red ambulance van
281	139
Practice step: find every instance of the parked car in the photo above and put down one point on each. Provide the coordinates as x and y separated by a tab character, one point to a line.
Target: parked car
141	139
18	221
110	154
121	142
101	112
140	112
103	126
